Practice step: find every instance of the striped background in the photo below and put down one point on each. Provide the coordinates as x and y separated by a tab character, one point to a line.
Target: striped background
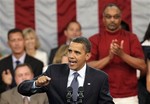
49	18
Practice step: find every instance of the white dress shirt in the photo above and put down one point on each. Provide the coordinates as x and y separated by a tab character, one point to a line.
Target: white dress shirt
21	59
80	78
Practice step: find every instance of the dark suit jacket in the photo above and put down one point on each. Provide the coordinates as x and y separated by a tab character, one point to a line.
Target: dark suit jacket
52	54
7	63
96	88
13	97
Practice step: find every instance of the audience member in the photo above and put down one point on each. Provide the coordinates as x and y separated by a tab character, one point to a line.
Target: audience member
22	72
74	74
72	30
119	54
143	90
61	55
18	56
32	45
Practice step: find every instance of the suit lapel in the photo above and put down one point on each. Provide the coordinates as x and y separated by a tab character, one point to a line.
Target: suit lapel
87	83
17	98
63	81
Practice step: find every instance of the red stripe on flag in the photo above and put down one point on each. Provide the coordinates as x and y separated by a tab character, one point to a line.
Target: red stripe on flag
66	11
125	6
24	14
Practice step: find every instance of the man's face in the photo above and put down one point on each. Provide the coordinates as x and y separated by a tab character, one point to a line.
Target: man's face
23	73
112	18
77	56
16	43
73	31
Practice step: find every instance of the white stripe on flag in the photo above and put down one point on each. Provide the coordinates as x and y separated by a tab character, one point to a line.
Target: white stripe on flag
87	15
46	23
140	17
6	23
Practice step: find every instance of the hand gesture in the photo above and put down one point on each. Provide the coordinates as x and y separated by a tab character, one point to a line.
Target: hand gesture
7	77
42	81
116	47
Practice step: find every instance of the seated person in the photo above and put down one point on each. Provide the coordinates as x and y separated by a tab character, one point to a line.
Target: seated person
32	45
72	30
61	55
18	56
22	72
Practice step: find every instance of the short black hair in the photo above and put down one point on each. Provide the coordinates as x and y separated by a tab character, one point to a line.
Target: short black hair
83	41
111	5
14	30
24	64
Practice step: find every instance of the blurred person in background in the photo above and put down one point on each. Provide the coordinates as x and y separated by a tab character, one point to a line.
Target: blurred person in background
144	81
61	55
119	53
72	30
22	72
18	56
32	45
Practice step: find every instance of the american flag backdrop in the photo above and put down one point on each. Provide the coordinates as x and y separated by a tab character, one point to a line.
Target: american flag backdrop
50	17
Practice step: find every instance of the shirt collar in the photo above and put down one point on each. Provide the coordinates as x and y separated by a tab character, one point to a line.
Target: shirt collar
21	59
81	71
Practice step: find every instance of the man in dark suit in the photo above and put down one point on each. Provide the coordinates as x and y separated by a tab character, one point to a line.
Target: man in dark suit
59	77
22	72
18	56
72	30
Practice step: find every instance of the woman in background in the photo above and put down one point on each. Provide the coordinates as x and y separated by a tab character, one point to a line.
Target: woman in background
32	45
61	55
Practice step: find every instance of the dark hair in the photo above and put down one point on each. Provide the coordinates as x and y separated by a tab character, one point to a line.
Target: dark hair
147	34
111	5
125	26
73	21
14	31
83	41
22	65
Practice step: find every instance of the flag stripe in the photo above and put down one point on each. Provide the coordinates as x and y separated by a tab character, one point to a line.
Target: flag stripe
50	17
140	17
87	15
66	11
46	23
7	22
24	14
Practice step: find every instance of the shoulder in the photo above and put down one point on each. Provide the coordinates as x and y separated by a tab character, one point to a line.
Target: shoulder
8	93
6	60
128	33
94	36
41	52
31	59
60	68
97	72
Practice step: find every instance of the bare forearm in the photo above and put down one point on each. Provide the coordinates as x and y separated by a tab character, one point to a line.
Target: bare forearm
148	76
136	63
99	64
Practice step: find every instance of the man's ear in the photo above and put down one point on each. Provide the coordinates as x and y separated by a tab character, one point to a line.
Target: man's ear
88	55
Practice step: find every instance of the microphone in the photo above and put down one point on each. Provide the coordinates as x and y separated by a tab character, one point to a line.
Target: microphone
80	95
69	95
